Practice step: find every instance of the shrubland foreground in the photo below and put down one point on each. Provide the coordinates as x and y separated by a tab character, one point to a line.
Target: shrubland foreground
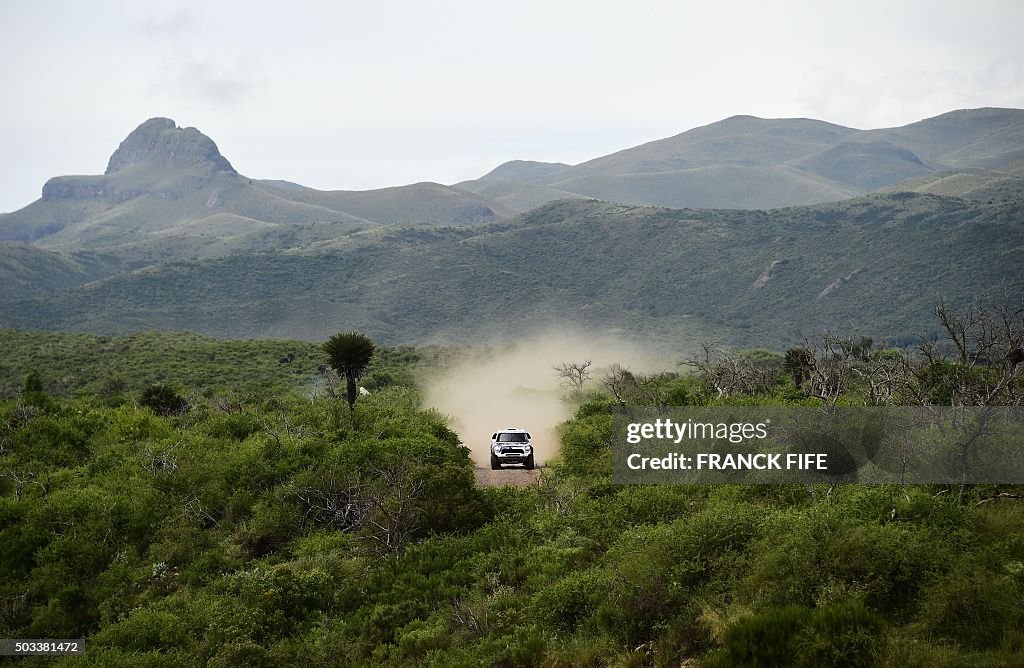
255	526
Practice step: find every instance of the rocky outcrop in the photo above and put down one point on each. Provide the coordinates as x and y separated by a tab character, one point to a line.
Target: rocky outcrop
157	159
161	143
769	273
74	187
95	187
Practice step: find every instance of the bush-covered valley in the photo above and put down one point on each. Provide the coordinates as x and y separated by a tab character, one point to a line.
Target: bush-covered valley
252	525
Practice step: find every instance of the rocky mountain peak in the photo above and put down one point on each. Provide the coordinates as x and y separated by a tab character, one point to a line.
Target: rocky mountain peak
160	142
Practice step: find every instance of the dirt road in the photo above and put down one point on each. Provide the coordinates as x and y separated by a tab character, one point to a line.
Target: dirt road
517	477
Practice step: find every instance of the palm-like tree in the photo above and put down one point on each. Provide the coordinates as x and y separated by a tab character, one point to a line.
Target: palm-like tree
349	354
799	363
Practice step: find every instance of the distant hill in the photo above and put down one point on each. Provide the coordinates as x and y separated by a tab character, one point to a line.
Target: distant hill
168	193
874	264
979	185
173	237
746	162
26	270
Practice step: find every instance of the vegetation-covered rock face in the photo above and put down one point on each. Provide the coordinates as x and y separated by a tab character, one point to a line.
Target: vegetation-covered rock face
877	264
275	527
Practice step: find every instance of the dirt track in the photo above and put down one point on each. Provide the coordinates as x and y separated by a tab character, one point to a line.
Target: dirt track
517	477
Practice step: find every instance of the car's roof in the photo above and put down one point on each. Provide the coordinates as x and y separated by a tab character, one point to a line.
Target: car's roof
514	430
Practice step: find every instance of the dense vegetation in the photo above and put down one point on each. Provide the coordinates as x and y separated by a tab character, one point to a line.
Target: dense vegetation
876	264
287	530
86	364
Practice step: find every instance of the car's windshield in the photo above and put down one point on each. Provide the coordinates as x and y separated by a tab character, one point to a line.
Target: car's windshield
512	438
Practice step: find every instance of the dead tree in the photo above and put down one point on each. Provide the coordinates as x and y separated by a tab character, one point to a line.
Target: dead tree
21	479
989	347
653	389
574	373
832	371
382	506
883	374
393	517
620	382
725	375
339	503
983	371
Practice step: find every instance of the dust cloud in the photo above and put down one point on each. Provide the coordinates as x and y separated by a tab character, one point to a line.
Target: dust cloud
516	386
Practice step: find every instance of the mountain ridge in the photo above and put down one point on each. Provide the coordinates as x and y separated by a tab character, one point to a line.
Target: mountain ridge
164	180
809	161
172	238
877	263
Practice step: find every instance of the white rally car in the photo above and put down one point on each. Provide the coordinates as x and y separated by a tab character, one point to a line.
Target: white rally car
511	446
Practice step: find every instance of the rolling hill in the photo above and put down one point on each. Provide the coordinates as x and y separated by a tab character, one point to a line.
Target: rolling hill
874	264
979	185
746	162
172	237
168	193
27	270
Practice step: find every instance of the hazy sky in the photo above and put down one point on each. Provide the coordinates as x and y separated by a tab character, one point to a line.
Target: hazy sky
368	94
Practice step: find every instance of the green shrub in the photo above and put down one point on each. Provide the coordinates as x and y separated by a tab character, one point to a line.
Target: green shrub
163	400
585	447
821	554
764	639
570	601
419	638
236	426
840	635
973	606
146	630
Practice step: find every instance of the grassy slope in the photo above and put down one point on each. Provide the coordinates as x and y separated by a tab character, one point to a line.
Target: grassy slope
713	186
76	362
988	138
515	195
864	166
876	264
748	162
978	185
416	204
27	270
146	214
71	363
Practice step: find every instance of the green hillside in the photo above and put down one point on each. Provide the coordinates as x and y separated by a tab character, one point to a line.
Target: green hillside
516	195
26	270
724	186
83	364
876	264
865	165
744	162
989	138
979	185
416	204
168	193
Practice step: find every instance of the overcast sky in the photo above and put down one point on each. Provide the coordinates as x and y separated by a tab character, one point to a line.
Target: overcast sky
359	95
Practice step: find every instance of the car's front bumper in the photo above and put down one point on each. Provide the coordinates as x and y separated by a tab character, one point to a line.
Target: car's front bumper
512	455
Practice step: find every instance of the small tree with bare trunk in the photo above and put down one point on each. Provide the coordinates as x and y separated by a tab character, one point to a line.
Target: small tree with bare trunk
725	374
574	373
985	370
620	382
